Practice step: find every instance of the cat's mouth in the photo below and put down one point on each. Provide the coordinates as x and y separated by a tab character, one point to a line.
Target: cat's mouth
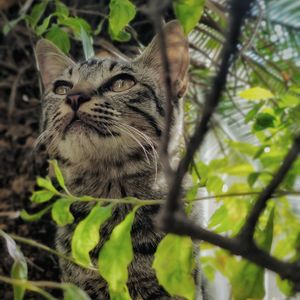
75	122
81	123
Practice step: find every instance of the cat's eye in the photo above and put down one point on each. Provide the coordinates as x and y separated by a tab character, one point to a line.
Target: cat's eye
121	85
62	87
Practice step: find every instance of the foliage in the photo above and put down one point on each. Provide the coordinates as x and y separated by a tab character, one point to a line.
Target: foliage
188	12
252	132
121	13
174	265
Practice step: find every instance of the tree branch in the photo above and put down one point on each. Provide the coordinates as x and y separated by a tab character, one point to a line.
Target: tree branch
247	231
182	226
238	11
156	9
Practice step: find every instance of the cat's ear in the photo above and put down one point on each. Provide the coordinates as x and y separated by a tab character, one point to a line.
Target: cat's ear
51	61
177	52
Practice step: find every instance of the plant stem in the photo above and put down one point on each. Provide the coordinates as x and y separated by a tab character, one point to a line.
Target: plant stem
46	248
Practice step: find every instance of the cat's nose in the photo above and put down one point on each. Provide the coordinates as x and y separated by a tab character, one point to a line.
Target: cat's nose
75	100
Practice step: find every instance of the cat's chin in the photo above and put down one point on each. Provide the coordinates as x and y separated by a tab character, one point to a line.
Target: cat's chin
79	126
80	143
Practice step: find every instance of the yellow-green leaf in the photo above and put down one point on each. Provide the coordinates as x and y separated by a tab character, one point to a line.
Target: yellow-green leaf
37	12
87	234
46	184
248	280
58	173
61	212
34	217
41	196
188	12
174	265
256	93
121	13
115	256
59	37
72	292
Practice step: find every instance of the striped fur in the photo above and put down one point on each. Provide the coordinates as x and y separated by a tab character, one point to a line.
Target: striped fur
112	153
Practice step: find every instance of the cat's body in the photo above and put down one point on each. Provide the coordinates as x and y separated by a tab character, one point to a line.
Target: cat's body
103	120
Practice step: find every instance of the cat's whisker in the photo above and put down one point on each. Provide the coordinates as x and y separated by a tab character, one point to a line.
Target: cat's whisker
150	143
143	135
113	137
136	140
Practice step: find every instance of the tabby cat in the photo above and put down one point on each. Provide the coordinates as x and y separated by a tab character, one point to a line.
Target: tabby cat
103	119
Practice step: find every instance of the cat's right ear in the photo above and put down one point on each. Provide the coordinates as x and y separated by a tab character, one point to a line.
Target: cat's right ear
51	61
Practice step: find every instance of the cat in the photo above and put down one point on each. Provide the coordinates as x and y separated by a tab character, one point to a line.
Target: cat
103	119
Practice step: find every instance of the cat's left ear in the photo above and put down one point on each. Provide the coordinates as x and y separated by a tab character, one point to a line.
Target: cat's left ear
51	61
177	52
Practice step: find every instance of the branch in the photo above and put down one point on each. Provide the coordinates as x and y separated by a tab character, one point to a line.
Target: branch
236	246
156	9
238	12
247	231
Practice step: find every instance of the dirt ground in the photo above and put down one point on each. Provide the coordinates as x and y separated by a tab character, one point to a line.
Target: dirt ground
19	110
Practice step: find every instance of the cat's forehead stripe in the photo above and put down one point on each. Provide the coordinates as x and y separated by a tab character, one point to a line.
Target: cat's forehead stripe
105	64
90	62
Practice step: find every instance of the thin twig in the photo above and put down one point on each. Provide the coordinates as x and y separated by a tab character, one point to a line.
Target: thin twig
157	8
253	34
46	248
247	231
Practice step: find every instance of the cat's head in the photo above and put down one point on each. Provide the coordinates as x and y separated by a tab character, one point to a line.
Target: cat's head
105	108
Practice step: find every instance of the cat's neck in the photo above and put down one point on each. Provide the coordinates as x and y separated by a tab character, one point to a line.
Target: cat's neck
113	180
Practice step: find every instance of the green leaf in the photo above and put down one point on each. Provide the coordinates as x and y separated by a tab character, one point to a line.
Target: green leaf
42	28
218	217
256	93
37	12
241	169
34	217
264	236
59	37
188	12
61	8
248	280
253	112
244	148
87	43
174	265
19	269
72	292
75	24
252	178
41	196
115	256
58	173
214	184
248	283
87	234
46	183
285	286
61	212
121	13
263	121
